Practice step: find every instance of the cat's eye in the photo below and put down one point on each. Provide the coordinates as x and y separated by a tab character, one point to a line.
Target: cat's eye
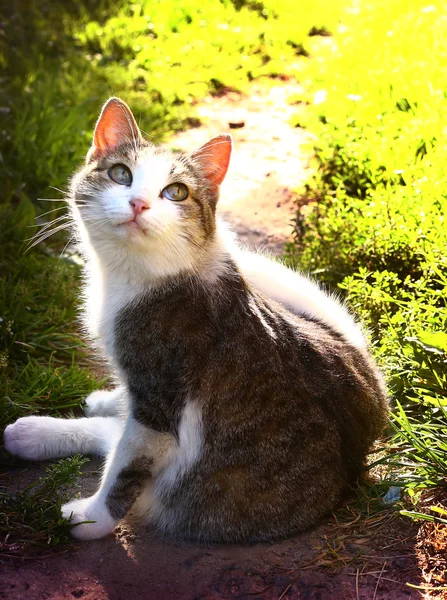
120	174
175	192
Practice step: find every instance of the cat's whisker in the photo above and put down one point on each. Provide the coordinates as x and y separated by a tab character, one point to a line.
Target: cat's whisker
72	238
146	133
46	235
65	217
51	211
47	229
58	190
53	222
96	221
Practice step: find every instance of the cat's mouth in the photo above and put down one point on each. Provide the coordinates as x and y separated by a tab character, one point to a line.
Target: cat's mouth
132	225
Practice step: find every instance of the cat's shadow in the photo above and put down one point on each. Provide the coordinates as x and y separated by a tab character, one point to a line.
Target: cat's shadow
137	563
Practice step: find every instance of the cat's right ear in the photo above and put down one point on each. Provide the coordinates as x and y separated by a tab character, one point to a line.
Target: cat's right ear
116	125
214	158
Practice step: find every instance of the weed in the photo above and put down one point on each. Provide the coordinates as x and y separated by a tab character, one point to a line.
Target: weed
33	515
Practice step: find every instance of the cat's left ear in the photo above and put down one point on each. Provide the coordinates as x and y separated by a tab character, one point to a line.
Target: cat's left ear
116	125
213	158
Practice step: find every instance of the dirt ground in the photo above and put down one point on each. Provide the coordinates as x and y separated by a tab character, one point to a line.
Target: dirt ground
361	558
269	159
355	557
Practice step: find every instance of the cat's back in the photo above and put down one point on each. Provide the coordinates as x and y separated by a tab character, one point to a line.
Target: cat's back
292	378
227	344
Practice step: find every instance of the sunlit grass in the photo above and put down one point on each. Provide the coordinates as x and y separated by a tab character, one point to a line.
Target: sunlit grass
375	227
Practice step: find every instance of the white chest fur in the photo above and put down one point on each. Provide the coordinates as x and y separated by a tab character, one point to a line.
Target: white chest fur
105	297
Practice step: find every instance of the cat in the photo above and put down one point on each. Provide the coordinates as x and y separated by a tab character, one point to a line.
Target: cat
246	399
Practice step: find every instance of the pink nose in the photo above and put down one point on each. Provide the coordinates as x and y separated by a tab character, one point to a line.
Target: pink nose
139	205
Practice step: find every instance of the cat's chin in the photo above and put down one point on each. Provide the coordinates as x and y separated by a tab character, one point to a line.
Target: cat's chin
132	229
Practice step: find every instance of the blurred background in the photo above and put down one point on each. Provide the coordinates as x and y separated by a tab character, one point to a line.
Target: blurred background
369	219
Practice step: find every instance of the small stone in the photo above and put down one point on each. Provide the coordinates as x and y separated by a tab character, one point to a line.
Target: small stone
236	124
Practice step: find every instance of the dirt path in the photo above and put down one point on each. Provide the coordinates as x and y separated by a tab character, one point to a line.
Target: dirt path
269	159
370	558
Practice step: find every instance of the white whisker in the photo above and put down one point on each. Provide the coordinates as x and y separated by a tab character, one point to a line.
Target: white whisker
47	225
46	235
51	211
66	245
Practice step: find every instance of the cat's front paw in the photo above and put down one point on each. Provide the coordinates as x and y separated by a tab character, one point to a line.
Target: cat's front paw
29	438
89	509
102	403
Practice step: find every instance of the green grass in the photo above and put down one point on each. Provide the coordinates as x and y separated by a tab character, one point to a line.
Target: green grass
32	516
43	361
374	221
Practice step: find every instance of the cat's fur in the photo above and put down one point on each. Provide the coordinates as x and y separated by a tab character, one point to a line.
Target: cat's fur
247	399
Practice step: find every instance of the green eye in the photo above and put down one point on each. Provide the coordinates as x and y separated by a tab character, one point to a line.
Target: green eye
175	192
120	174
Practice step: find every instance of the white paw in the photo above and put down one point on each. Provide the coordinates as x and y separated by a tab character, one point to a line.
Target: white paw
29	438
102	403
89	509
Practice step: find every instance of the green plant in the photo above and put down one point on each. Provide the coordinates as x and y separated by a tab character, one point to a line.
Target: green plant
33	515
373	224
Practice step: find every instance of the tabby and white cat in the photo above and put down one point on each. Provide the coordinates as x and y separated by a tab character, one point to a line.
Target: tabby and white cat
247	400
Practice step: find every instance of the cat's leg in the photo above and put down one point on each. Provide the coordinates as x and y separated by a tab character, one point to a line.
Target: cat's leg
138	456
104	403
298	294
42	438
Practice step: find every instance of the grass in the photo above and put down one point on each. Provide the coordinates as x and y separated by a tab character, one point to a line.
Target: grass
373	221
32	518
42	358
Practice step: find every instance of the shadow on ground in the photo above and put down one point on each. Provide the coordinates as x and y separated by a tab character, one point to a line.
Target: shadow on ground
334	561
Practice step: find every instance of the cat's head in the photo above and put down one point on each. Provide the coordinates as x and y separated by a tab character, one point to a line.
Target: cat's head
136	200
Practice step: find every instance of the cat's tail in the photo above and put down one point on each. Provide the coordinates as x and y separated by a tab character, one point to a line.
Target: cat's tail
297	293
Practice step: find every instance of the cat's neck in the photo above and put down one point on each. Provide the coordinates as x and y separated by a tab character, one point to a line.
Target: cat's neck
114	265
114	280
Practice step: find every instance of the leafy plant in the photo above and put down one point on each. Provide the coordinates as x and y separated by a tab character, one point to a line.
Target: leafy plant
373	219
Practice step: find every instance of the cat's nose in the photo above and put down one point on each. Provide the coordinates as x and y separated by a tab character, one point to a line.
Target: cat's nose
139	205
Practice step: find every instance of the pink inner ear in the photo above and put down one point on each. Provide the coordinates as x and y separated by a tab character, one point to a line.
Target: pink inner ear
214	158
116	125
